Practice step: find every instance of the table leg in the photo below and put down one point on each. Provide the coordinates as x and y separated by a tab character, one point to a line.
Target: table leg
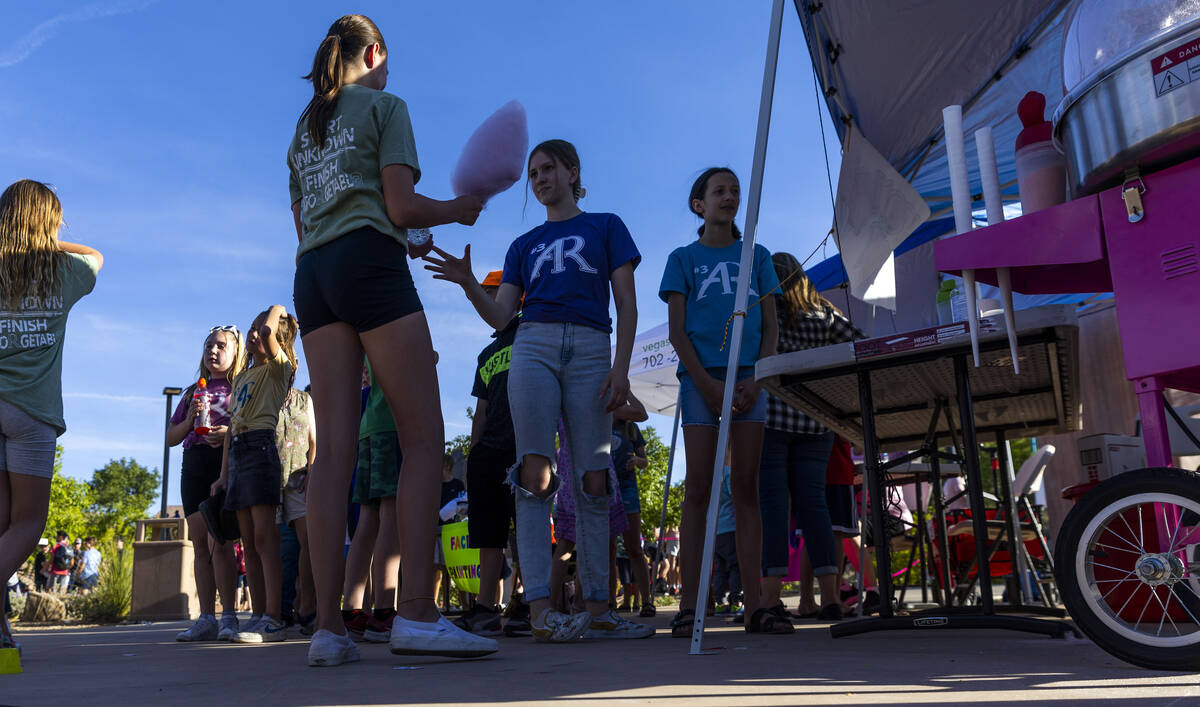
1015	542
875	490
970	454
922	538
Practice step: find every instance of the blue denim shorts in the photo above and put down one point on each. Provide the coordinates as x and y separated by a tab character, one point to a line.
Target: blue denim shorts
694	411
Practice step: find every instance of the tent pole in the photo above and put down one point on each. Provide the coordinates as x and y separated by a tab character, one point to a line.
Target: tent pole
662	521
745	273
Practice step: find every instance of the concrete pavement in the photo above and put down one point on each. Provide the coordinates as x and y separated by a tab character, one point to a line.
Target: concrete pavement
142	664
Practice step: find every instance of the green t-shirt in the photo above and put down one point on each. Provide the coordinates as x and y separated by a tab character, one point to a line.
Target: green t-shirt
31	343
377	416
340	187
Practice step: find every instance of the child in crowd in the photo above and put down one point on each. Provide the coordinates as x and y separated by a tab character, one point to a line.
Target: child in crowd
221	360
490	509
354	292
562	365
296	441
726	580
795	452
375	547
251	471
698	286
41	279
450	507
629	455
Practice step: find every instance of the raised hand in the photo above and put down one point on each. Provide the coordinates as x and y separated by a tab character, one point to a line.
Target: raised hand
450	268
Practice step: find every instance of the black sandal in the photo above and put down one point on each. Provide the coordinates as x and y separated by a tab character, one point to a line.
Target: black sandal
648	611
764	621
681	625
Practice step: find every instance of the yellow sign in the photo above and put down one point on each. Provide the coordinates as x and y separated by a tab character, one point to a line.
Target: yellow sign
462	561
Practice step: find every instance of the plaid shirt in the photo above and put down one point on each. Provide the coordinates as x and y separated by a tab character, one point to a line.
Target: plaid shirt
814	330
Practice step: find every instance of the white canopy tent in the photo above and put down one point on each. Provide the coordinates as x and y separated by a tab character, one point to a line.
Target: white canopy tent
886	70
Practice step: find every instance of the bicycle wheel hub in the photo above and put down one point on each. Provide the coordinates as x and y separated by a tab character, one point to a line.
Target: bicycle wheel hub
1159	569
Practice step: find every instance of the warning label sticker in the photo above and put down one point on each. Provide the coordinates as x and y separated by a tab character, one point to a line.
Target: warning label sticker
1176	68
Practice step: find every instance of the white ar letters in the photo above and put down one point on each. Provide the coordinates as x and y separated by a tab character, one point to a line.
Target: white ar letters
721	275
557	253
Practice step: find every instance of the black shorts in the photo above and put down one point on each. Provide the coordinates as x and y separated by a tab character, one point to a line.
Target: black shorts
361	278
201	467
624	571
255	474
490	509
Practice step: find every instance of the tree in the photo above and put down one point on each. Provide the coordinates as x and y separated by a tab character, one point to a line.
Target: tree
69	501
121	493
650	484
461	445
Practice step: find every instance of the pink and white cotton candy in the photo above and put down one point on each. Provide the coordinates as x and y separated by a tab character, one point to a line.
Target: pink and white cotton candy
494	157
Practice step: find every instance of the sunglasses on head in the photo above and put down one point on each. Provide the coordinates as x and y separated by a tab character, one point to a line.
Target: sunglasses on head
226	327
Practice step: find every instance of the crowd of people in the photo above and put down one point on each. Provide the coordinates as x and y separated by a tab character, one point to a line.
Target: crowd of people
551	477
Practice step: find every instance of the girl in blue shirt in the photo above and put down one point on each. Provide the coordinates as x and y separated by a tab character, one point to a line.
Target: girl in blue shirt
698	286
561	366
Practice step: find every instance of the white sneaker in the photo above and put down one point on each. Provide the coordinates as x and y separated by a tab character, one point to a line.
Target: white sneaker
272	630
556	627
610	625
249	632
328	649
437	638
229	627
205	629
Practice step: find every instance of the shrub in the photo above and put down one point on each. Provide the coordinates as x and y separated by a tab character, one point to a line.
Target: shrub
109	601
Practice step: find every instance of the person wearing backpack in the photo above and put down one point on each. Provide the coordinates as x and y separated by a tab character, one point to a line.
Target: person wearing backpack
61	559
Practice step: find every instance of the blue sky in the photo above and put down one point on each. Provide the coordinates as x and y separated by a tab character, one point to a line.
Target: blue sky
164	129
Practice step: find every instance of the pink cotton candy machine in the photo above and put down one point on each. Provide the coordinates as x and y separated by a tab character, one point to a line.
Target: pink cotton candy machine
1131	72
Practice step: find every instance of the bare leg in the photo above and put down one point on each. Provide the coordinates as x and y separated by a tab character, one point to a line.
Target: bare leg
358	560
746	438
266	541
700	446
401	352
335	367
307	603
254	568
385	563
637	559
202	564
24	501
491	562
558	575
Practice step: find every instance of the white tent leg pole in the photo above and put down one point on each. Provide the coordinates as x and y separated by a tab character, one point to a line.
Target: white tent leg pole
745	274
662	521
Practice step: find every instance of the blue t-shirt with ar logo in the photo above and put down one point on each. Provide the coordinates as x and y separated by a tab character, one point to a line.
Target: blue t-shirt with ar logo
564	268
708	278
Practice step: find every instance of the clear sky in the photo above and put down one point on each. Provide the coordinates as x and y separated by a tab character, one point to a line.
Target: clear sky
164	128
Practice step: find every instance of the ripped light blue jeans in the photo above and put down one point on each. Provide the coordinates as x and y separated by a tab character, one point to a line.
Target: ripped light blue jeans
560	368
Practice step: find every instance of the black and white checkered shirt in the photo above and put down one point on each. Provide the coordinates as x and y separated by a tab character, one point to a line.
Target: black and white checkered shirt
814	330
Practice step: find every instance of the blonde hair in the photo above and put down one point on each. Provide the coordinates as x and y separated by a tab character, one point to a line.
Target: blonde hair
797	295
239	355
30	216
285	334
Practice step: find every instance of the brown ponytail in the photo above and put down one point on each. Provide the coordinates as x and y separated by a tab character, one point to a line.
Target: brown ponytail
347	39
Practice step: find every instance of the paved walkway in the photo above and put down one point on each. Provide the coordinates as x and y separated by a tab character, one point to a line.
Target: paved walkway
143	665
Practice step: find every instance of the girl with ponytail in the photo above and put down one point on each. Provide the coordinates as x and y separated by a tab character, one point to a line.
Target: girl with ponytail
353	168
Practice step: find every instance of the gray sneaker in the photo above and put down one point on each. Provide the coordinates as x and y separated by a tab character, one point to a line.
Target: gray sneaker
229	627
205	629
610	625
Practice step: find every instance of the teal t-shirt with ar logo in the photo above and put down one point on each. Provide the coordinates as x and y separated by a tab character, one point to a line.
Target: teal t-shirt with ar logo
708	278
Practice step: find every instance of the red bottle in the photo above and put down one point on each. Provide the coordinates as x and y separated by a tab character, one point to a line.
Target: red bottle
202	425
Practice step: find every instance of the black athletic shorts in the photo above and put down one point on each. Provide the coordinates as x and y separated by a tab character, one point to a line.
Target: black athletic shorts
490	509
360	278
201	467
255	474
